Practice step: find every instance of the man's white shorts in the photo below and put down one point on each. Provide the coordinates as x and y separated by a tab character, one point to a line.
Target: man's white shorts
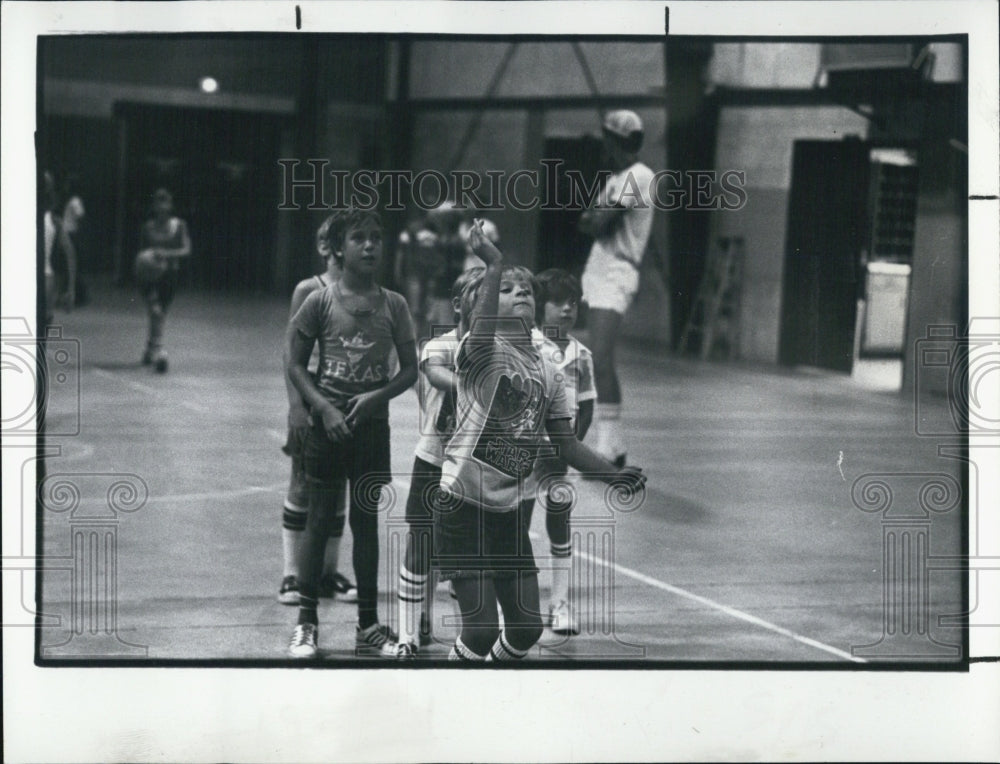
609	285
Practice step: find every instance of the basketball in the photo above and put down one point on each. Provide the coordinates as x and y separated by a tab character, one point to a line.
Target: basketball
148	267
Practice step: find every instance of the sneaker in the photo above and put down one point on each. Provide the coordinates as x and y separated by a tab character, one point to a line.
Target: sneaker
337	585
147	357
377	640
161	363
426	637
406	651
562	619
303	644
288	594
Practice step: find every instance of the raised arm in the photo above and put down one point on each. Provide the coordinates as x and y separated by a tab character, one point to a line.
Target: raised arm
483	322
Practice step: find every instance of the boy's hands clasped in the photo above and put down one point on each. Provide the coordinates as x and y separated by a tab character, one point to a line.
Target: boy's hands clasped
334	424
339	425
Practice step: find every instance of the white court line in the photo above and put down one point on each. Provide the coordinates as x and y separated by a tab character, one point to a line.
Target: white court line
189	405
650	581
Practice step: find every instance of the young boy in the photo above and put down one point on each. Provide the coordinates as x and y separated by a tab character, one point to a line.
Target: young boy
556	312
508	396
166	237
437	388
357	324
296	506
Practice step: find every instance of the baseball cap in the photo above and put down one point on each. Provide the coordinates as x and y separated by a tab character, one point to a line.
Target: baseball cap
622	122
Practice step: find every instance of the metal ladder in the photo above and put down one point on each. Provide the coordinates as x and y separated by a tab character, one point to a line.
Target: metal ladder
715	314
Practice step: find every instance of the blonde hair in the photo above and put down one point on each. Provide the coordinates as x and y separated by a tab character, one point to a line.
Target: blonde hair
471	290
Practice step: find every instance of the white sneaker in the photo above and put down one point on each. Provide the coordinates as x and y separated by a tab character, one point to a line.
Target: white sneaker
563	619
377	640
303	644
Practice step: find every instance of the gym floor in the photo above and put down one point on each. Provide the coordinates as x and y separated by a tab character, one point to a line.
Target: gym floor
748	547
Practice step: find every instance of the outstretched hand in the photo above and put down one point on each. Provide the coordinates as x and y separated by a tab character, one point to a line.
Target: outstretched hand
481	246
630	478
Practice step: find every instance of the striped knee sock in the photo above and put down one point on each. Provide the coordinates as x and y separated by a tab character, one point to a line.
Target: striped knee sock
503	651
411	603
562	561
459	652
293	523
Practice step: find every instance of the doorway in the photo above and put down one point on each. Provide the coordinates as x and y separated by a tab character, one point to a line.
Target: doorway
221	167
827	229
560	244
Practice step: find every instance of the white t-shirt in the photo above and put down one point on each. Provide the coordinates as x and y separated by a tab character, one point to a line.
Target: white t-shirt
627	241
506	395
437	407
575	365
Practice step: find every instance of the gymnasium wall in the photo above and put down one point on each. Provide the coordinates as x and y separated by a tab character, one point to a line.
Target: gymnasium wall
440	68
511	139
759	142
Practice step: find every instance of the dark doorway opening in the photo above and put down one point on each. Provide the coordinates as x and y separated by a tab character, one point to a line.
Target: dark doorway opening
221	167
560	244
827	228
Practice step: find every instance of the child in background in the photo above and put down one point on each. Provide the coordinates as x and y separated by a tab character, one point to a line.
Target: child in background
436	391
557	308
166	235
357	324
296	506
508	398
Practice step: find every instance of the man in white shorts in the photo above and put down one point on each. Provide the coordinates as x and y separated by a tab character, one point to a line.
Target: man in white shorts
620	220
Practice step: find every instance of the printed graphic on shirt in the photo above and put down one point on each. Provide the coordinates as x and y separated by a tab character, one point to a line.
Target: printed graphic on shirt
508	442
350	362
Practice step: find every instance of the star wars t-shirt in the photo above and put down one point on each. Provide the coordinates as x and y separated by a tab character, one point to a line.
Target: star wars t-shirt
354	350
505	398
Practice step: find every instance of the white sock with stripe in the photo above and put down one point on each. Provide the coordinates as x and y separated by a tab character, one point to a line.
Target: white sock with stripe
459	652
411	591
560	577
503	651
293	523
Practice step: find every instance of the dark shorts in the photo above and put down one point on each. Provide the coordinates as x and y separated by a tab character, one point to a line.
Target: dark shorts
425	492
361	460
469	541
